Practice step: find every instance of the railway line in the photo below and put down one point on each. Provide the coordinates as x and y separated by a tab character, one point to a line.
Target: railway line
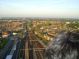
36	49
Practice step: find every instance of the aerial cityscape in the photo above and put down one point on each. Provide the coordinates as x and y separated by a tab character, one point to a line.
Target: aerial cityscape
39	29
28	38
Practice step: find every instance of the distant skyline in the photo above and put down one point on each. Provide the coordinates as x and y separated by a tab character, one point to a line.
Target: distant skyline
39	8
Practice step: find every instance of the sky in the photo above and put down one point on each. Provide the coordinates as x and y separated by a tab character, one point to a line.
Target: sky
39	8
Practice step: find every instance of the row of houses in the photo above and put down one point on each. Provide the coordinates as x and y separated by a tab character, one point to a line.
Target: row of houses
11	25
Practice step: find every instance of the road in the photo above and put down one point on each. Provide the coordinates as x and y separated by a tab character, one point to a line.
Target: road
14	50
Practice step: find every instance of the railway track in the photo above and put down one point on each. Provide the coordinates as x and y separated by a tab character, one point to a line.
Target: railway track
36	49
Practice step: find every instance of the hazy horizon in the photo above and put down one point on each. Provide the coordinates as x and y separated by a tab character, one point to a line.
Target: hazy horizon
39	8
